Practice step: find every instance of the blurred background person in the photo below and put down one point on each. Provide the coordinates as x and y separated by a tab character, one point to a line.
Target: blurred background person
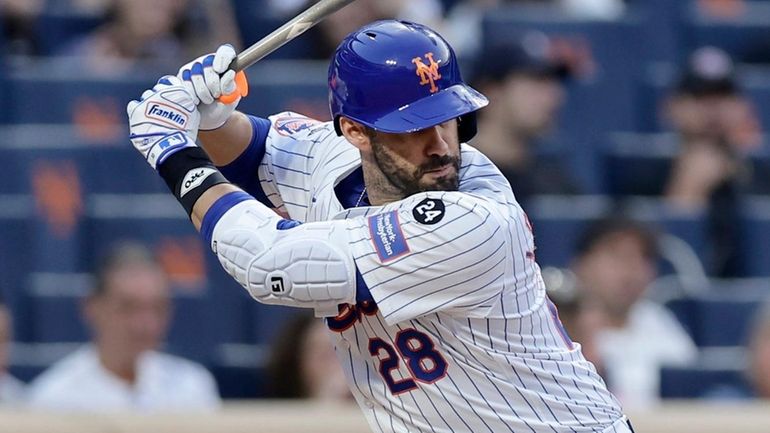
324	38
303	363
716	128
464	18
17	25
11	389
524	81
615	261
156	32
758	373
128	313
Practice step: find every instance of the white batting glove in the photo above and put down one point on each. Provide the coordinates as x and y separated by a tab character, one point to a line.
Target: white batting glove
163	121
207	78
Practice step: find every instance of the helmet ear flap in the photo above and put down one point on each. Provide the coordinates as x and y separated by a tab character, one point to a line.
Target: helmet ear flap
466	127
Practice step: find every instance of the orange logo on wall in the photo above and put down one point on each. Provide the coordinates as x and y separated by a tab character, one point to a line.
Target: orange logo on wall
724	9
428	73
97	119
56	187
183	260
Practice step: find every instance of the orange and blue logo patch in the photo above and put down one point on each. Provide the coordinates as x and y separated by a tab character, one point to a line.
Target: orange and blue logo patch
428	73
389	240
291	125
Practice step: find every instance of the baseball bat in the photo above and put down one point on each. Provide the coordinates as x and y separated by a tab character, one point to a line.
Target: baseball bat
279	37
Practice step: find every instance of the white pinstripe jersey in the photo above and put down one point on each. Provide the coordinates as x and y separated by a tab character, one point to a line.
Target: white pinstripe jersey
462	337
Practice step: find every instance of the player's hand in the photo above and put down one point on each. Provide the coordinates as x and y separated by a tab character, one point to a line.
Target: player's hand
207	78
164	121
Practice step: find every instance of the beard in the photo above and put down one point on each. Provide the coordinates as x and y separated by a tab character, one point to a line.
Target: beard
410	180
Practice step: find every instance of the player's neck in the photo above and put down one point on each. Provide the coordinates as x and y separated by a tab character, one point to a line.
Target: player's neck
378	188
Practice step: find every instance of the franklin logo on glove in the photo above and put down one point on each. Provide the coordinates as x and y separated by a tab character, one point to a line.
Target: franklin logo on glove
166	113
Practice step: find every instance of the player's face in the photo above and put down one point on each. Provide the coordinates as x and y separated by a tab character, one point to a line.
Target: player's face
426	160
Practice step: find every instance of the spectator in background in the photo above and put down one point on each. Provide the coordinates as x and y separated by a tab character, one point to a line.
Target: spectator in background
523	80
11	389
717	129
759	353
154	31
463	24
328	33
128	313
303	364
17	26
614	263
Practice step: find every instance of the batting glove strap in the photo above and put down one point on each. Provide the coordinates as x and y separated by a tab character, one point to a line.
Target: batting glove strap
188	174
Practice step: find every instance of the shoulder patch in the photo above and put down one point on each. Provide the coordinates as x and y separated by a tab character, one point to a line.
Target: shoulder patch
429	211
389	240
290	125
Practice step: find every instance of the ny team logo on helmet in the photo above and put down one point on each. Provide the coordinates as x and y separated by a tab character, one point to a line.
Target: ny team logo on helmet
397	76
427	73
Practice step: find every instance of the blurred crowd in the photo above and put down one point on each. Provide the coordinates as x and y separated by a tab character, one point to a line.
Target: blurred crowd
626	292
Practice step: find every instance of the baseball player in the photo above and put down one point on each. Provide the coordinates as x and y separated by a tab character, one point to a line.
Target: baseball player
407	240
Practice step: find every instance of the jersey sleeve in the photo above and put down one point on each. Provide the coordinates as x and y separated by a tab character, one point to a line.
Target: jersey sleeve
434	251
280	166
297	152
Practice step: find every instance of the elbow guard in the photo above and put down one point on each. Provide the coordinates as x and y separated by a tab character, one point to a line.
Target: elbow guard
307	266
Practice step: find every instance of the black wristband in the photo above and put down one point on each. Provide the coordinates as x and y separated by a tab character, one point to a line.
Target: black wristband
188	174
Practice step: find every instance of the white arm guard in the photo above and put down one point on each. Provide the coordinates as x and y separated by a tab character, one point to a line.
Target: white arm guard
307	266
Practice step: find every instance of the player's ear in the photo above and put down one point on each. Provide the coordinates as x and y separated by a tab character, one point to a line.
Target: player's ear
355	133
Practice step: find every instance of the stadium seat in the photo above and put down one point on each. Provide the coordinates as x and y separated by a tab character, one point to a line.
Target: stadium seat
755	229
15	227
54	304
93	103
559	221
694	382
720	317
637	164
67	97
56	29
724	322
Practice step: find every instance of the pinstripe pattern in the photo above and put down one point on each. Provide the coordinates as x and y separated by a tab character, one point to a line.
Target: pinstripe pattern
469	285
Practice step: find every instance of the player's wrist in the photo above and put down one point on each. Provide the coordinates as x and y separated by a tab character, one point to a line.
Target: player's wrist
189	173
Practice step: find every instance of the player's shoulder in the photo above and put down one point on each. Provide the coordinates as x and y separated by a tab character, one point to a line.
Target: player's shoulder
435	226
450	203
441	212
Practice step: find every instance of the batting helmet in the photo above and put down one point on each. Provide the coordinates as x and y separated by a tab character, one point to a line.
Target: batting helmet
397	76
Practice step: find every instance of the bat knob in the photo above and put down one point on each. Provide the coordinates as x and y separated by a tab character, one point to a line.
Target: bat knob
241	89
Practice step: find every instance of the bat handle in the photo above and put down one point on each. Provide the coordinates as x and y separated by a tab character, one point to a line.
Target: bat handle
241	89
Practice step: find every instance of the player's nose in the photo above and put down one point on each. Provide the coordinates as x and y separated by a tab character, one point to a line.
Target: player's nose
435	144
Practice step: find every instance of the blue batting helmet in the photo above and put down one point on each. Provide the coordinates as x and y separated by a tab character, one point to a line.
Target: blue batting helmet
397	76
